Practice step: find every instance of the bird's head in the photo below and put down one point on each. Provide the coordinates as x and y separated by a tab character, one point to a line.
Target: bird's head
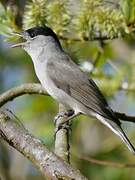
37	37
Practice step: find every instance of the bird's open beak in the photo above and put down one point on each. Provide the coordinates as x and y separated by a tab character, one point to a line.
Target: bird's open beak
18	45
21	35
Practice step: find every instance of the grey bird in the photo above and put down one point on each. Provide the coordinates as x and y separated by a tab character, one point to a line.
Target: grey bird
64	80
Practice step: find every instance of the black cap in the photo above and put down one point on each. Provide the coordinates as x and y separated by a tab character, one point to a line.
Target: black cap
42	30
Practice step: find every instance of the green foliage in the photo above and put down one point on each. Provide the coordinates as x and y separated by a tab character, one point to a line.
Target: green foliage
7	21
59	16
93	19
128	9
97	19
53	13
35	13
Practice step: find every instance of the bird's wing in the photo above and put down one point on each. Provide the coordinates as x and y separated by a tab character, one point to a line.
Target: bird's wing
67	76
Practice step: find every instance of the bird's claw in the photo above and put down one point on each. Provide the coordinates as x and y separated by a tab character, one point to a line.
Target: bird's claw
63	114
59	115
62	126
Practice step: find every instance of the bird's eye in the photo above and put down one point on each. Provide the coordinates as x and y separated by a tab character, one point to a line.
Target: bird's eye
32	35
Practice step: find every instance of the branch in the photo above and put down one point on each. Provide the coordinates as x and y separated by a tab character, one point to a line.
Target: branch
95	38
107	163
124	117
29	88
62	138
34	88
34	149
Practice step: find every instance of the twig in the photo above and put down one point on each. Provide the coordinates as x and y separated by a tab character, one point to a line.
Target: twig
33	88
107	163
125	117
116	5
29	88
13	116
62	139
95	38
34	149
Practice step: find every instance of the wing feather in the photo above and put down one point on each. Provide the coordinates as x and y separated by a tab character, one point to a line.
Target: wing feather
68	77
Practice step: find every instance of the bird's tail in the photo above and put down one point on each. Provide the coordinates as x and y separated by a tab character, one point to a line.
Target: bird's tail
118	131
125	139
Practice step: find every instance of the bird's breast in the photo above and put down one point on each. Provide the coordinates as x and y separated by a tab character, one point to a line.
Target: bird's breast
47	82
57	93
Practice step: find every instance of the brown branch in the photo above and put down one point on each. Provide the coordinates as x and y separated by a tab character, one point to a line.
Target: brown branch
62	138
124	117
28	144
95	38
34	88
29	88
34	149
107	163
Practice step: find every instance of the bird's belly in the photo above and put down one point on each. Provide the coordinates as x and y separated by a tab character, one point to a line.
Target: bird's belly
58	94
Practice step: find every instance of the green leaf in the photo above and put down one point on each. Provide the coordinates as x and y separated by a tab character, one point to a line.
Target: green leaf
5	30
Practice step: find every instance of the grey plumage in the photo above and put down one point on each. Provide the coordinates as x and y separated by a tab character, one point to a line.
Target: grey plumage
84	90
79	86
65	82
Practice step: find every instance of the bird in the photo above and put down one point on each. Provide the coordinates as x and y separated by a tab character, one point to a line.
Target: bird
66	82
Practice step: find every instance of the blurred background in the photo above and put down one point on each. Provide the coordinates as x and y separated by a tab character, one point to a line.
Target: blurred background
99	36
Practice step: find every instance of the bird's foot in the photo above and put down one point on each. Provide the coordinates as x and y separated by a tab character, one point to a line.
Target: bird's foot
64	124
62	114
58	116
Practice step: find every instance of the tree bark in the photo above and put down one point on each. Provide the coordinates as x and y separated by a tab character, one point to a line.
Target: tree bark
34	149
62	138
34	88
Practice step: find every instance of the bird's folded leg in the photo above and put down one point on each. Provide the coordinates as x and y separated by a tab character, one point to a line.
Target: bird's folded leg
67	117
67	114
62	126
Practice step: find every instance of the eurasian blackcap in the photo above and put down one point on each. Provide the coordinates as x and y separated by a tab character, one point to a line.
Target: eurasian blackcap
64	80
